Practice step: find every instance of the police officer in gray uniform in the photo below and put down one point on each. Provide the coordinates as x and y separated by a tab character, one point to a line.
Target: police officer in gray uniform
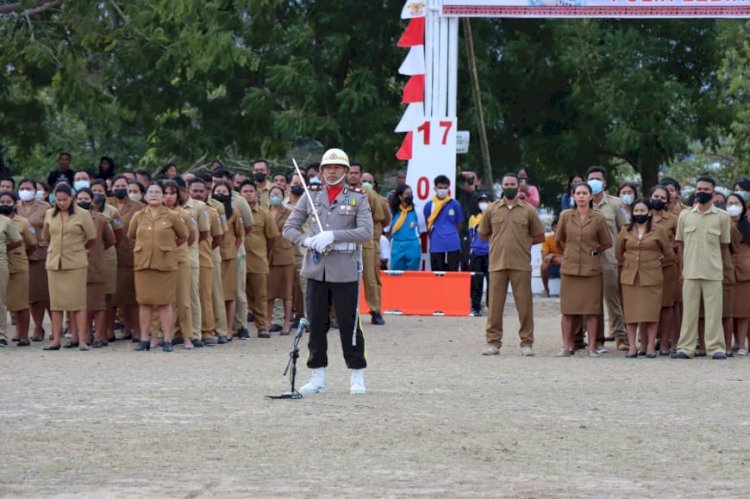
332	266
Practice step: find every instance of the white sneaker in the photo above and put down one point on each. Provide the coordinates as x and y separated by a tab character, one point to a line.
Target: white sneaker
317	383
358	382
491	350
742	352
527	352
601	349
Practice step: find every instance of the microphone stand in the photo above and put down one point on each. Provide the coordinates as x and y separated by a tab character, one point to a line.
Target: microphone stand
293	394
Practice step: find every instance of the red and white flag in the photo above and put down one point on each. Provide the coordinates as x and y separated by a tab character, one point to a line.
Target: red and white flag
414	90
404	152
414	62
412	118
414	34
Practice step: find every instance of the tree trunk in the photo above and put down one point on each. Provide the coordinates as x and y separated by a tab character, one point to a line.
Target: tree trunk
649	170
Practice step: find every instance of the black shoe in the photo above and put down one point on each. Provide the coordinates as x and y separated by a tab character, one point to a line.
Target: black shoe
3	343
730	354
71	344
250	317
24	343
264	334
377	320
244	334
178	341
168	347
143	346
275	328
295	324
198	343
223	340
631	356
49	347
679	355
97	344
719	356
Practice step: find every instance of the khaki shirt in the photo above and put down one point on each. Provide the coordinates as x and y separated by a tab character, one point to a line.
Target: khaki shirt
228	248
383	221
257	241
643	258
611	208
510	230
579	238
18	259
156	239
125	246
702	235
67	239
202	220
264	195
205	249
105	239
34	212
183	252
348	217
113	215
281	250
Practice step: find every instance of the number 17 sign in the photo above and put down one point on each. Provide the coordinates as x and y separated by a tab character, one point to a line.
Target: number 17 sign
433	154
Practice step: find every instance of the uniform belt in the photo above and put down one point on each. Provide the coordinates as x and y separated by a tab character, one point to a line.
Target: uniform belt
344	247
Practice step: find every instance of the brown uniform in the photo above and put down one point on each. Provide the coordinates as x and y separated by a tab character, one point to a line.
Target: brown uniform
256	248
281	260
641	275
8	234
671	288
206	282
183	316
741	297
202	220
233	237
510	230
371	257
96	278
581	270
110	255
34	212
17	295
125	293
155	254
67	258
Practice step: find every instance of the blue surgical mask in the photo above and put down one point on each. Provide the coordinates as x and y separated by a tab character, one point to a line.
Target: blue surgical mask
275	200
81	184
745	195
314	181
367	185
627	199
51	198
597	186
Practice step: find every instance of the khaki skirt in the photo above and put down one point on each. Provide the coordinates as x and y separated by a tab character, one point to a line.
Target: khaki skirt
741	300
67	289
229	278
281	282
17	293
96	299
155	287
581	295
125	293
641	303
38	285
110	271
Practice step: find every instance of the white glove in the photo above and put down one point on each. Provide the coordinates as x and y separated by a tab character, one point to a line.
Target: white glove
322	240
307	243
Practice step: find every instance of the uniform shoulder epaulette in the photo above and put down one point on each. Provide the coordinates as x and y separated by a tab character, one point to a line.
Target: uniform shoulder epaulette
315	187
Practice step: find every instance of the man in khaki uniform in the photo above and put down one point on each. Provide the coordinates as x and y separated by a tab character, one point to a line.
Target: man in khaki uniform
10	239
511	226
610	207
296	193
370	270
202	221
368	182
256	247
262	184
217	292
704	232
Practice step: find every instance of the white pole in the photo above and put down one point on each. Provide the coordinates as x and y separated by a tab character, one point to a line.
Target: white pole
443	68
452	65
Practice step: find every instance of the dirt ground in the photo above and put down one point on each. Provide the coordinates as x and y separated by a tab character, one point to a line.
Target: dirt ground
439	419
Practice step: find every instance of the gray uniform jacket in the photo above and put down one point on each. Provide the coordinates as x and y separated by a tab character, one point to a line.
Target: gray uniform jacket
350	219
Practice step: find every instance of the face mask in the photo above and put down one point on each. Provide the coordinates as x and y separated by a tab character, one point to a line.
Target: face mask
745	195
337	181
703	197
120	193
441	193
483	206
658	204
275	200
51	198
222	198
298	190
571	202
135	197
314	181
597	186
367	185
6	210
627	199
640	219
39	195
734	210
409	200
26	195
510	192
99	198
721	206
260	177
81	184
85	205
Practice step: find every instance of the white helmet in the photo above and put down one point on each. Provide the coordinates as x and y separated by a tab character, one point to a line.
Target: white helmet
335	157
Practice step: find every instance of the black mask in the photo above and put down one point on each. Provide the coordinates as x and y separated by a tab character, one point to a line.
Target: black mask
640	219
409	200
222	198
6	210
85	205
298	190
120	193
703	197
658	204
99	198
260	177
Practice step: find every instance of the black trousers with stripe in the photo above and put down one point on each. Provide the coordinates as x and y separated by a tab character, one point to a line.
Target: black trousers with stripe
343	296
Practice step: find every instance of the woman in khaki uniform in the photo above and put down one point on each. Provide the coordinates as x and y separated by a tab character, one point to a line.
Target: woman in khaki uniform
642	247
669	326
17	294
583	235
737	209
182	296
124	297
96	285
70	232
99	190
157	233
230	243
33	210
281	261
